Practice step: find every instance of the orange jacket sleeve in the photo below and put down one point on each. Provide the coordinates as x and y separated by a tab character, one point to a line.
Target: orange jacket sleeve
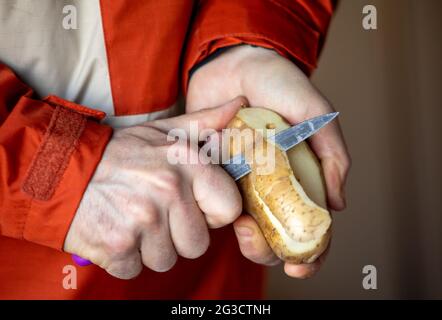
48	152
294	28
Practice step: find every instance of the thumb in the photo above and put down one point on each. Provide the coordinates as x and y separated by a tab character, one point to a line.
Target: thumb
215	118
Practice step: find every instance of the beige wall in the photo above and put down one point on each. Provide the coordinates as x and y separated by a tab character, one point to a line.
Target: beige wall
387	85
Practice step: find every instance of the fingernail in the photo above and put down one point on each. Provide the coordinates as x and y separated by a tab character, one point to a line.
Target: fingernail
244	231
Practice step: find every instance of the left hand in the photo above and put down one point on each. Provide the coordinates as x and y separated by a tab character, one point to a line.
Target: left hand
269	80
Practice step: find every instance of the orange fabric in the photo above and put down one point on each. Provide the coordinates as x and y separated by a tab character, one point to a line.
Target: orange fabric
145	42
54	153
295	29
57	101
36	272
25	122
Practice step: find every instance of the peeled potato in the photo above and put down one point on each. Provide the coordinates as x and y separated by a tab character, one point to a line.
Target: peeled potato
289	202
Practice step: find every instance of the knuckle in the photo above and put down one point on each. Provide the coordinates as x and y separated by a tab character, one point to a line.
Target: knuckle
342	159
345	162
169	181
232	207
152	221
119	245
148	218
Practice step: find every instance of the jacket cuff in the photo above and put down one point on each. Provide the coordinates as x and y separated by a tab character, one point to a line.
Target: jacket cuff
59	151
260	23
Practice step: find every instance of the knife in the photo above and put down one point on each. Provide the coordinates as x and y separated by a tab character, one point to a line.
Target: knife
285	140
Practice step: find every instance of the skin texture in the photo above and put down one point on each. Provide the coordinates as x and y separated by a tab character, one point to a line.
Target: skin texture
267	79
144	210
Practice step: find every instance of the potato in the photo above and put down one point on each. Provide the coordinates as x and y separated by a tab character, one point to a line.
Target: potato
289	202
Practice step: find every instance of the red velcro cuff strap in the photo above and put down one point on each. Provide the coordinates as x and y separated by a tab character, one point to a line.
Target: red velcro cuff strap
52	157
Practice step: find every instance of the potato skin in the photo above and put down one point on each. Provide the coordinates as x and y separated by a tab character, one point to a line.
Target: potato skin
255	206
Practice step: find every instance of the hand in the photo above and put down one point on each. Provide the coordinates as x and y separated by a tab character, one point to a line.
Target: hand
269	80
140	209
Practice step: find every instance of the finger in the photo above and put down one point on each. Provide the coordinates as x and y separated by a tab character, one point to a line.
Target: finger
217	195
126	268
329	145
187	224
117	254
157	249
252	243
306	270
301	271
214	118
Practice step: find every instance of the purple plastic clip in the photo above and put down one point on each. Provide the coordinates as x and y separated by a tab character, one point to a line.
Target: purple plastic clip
81	261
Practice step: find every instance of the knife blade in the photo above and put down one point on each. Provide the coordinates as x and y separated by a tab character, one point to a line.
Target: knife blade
237	166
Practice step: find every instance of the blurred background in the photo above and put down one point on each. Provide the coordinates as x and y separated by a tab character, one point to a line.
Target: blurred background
387	85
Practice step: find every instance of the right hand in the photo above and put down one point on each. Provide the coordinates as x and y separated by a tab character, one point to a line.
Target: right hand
140	210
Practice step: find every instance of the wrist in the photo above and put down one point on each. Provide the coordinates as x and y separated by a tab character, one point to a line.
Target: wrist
237	58
231	64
